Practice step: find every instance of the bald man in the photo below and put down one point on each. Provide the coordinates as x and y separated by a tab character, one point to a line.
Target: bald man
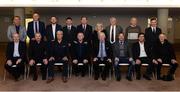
15	55
164	54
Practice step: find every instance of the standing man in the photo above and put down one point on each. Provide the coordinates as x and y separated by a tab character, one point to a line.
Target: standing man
59	54
152	33
122	54
15	55
35	26
52	29
165	54
113	30
16	28
69	31
38	54
132	31
86	29
102	55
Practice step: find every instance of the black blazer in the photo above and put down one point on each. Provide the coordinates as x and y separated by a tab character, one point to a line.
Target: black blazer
37	51
150	37
136	50
30	29
10	50
108	49
69	36
49	32
87	33
77	47
164	51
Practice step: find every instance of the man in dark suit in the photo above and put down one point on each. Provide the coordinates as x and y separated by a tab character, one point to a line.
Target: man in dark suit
59	52
38	54
69	31
15	55
102	55
35	26
142	55
164	54
152	32
113	30
122	54
51	29
80	54
86	29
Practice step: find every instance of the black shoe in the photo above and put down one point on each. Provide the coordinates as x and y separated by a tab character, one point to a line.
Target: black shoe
96	77
35	77
118	79
83	75
129	78
167	78
146	77
159	78
43	78
103	78
138	78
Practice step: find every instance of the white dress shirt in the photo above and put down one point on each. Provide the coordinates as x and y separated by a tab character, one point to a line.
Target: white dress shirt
112	28
142	50
54	30
16	50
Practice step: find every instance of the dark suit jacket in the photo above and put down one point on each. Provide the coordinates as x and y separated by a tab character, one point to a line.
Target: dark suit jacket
71	35
58	50
136	50
49	32
77	47
37	51
108	49
119	29
116	49
164	51
30	29
87	33
10	50
150	37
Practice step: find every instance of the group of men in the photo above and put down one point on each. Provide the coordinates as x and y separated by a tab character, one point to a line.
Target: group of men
72	45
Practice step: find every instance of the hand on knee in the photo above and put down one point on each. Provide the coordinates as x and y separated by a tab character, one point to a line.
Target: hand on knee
31	62
9	62
85	61
45	61
173	61
75	61
138	62
95	59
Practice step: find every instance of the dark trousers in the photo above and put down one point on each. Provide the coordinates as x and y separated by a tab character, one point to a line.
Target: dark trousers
51	68
15	71
101	69
80	69
144	60
117	67
172	68
43	68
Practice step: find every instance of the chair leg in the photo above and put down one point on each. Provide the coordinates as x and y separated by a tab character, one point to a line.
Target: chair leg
4	74
70	71
89	70
25	71
28	70
92	70
109	74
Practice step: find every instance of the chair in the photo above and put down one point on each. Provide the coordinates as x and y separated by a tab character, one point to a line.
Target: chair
5	72
126	64
28	70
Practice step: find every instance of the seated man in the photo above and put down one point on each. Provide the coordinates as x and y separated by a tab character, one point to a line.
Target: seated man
164	54
80	54
15	55
102	55
38	54
142	55
58	54
122	55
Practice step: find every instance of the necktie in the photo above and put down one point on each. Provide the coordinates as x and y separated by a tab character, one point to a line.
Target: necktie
69	29
84	28
101	46
154	31
36	27
17	29
112	35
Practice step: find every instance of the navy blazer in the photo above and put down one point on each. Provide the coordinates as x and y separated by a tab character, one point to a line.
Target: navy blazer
10	50
49	32
30	29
